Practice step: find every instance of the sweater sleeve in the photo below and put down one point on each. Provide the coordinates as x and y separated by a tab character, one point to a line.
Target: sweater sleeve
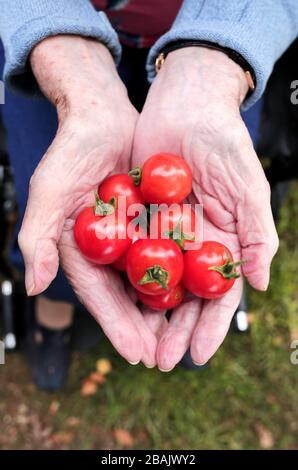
24	23
260	30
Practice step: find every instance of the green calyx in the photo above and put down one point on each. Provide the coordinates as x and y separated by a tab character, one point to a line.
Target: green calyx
178	236
155	274
228	270
104	208
136	175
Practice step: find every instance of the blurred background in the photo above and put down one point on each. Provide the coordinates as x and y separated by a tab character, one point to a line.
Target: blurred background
245	399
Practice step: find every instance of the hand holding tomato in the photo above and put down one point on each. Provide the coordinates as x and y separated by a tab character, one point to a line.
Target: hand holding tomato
96	126
192	110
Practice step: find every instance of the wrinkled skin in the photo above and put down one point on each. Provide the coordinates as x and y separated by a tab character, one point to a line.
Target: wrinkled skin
96	126
192	110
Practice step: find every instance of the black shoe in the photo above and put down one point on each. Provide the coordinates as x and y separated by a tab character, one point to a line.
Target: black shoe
187	363
49	353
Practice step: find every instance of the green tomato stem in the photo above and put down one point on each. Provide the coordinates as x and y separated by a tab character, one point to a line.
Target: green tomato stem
155	274
136	175
178	236
102	208
228	270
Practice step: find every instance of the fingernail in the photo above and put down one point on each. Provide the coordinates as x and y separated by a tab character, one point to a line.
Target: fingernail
149	366
199	363
265	286
166	370
134	363
30	290
29	279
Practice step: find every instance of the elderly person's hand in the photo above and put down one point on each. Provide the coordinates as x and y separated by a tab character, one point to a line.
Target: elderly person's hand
94	138
192	110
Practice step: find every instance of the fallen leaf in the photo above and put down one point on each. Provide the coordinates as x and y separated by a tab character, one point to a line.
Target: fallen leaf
123	437
103	366
250	317
88	388
97	377
72	421
61	438
266	440
54	407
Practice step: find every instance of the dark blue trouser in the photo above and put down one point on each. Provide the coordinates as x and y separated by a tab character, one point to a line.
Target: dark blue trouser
31	126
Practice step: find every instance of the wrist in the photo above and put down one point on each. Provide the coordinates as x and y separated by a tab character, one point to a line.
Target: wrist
210	70
71	69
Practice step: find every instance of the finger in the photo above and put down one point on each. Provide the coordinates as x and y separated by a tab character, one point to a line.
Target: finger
243	208
101	291
156	321
176	339
149	338
213	324
38	243
130	290
70	170
257	235
145	331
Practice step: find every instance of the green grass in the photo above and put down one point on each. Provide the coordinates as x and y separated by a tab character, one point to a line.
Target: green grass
250	384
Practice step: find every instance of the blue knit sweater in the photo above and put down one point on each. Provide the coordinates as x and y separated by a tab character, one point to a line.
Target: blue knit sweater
260	30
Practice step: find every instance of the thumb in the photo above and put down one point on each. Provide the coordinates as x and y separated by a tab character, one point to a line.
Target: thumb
52	196
39	234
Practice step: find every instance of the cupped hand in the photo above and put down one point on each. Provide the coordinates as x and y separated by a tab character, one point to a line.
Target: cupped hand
192	110
94	138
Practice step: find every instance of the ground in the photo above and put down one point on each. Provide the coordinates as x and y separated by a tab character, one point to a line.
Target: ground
246	399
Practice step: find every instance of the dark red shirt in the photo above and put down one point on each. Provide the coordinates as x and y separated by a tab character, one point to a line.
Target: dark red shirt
140	23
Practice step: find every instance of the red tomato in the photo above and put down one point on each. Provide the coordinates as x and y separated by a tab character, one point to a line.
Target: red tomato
101	238
120	185
165	178
165	301
154	266
120	263
210	271
179	224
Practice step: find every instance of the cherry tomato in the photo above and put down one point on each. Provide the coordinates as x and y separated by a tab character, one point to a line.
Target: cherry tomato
165	178
154	266
164	301
120	185
177	223
210	271
101	238
120	263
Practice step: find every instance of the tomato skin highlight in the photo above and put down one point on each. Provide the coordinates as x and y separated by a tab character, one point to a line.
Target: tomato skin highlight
201	281
144	254
120	184
180	216
166	178
91	234
166	301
